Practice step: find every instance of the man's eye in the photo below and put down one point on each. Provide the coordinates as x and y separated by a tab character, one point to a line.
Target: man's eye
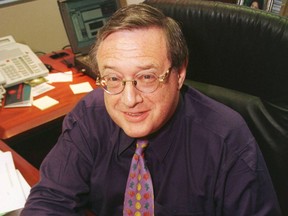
112	79
146	77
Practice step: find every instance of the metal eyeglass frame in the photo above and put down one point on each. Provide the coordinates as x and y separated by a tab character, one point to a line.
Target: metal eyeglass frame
100	82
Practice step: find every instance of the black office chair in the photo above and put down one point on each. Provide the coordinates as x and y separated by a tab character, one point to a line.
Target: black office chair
238	56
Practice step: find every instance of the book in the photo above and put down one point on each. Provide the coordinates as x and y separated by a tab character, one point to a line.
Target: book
18	96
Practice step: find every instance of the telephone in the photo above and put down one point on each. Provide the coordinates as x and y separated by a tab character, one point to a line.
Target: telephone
18	63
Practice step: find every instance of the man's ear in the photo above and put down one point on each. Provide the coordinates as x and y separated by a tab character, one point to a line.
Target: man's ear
182	74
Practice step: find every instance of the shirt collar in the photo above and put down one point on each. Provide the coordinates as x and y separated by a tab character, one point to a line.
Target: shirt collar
124	141
161	141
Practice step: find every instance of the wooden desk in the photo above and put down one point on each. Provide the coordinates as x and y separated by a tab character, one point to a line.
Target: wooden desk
14	121
29	172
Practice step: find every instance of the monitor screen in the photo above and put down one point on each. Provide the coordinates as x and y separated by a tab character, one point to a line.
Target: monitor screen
82	20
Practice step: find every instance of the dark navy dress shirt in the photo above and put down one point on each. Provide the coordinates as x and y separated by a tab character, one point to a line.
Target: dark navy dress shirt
204	161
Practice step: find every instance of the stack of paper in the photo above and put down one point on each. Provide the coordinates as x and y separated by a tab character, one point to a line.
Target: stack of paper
2	92
14	189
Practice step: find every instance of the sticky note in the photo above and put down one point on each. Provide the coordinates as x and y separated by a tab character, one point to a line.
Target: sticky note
45	102
81	87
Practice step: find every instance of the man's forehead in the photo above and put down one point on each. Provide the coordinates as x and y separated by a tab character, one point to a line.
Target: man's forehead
139	43
152	31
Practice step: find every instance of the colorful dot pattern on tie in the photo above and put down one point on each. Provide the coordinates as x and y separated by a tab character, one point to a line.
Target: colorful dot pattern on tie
139	198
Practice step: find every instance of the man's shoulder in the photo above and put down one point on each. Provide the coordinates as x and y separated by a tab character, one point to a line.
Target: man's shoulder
90	105
209	113
93	99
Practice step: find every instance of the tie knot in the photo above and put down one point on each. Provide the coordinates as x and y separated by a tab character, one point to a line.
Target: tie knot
141	146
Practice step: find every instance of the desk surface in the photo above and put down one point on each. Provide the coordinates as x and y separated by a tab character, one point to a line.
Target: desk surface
14	121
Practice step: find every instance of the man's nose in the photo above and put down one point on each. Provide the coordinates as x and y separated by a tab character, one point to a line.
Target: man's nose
130	95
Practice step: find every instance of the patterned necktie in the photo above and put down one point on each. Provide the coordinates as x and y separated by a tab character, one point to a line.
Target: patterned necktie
139	190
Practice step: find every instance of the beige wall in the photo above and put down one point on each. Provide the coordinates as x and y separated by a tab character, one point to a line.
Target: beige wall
37	23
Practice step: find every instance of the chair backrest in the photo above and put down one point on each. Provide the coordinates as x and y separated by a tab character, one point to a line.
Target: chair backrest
234	46
239	55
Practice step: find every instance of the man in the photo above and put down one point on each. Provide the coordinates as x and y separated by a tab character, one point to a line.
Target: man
201	156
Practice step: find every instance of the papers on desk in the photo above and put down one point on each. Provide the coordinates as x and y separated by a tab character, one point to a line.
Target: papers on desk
45	102
60	77
81	88
41	88
14	189
2	92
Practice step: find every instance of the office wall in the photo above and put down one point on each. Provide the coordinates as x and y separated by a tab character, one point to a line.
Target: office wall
37	23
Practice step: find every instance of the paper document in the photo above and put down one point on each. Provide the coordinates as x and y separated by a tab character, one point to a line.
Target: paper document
13	187
60	77
81	88
45	102
41	88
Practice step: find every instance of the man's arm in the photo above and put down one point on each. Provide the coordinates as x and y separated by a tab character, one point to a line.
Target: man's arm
63	188
246	185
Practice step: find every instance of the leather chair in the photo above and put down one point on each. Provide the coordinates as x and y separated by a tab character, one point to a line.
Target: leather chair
238	56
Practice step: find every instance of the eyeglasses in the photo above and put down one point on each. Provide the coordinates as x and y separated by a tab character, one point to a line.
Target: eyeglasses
143	82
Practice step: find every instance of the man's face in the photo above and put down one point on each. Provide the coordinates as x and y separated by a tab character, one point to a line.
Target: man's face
127	53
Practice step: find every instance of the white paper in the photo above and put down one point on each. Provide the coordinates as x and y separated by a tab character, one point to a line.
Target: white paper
60	77
41	88
24	184
45	102
81	87
11	193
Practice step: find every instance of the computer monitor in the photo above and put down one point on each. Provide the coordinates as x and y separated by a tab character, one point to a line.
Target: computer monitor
82	20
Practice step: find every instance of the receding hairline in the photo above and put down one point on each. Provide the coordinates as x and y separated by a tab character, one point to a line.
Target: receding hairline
157	32
140	28
131	19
